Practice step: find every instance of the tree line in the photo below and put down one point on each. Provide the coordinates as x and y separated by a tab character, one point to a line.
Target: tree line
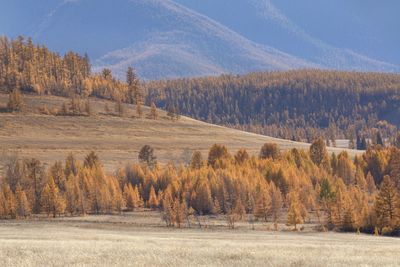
34	68
295	186
299	105
30	68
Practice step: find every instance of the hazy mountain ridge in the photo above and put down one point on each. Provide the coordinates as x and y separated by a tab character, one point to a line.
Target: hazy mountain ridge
207	49
181	43
167	39
262	19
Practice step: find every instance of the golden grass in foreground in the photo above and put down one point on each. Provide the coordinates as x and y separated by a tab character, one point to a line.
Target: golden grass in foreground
117	140
141	240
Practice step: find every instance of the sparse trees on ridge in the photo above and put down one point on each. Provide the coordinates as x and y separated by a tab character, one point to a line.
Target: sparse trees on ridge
119	108
135	94
153	112
173	112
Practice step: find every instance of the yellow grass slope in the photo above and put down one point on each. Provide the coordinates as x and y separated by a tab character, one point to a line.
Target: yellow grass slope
116	139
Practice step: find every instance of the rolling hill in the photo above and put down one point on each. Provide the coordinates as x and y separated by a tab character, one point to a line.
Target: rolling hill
181	38
117	140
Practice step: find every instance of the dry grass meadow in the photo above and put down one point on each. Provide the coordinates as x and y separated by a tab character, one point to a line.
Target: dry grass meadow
117	140
142	240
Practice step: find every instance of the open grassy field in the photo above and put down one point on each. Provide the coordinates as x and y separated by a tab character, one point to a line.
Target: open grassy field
142	240
117	140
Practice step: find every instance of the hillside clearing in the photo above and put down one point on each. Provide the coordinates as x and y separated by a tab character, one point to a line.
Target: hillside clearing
117	139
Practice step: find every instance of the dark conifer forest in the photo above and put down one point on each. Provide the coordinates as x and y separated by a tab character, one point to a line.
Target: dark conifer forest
297	105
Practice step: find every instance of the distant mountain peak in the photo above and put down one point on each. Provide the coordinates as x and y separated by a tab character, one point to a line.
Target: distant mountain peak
181	38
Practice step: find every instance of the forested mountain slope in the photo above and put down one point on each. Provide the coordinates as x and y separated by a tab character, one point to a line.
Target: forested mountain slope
298	105
295	104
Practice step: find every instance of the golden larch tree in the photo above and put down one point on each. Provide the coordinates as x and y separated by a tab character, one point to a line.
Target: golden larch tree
387	204
153	111
52	202
263	204
153	200
294	216
276	202
23	209
129	196
15	101
9	202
